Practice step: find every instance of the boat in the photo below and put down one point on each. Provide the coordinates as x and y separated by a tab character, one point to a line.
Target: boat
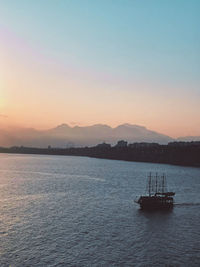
158	198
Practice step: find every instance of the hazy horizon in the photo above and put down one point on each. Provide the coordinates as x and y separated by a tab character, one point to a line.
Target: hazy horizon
74	125
108	62
66	135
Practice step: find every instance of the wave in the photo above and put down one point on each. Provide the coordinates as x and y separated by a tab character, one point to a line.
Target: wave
31	172
86	177
187	204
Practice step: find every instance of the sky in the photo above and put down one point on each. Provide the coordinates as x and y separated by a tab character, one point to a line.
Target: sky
84	62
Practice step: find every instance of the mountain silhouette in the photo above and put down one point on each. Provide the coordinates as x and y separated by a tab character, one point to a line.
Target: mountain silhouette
64	136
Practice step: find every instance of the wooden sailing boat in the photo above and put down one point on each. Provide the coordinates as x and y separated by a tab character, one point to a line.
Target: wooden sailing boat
158	198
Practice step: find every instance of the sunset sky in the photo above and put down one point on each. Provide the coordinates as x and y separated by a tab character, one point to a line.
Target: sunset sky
101	61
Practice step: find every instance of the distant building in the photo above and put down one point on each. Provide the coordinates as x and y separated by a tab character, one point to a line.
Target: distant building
70	145
121	143
184	144
103	145
143	145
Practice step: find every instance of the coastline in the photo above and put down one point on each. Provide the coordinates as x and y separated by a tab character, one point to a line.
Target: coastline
174	154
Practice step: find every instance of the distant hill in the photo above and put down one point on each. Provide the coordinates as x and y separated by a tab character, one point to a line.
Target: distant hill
98	133
189	138
65	136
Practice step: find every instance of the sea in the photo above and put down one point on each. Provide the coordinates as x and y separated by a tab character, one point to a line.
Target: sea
80	211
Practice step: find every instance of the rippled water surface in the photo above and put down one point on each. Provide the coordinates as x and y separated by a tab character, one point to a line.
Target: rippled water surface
75	211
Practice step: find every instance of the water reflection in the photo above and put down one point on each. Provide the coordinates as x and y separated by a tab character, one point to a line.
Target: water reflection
81	213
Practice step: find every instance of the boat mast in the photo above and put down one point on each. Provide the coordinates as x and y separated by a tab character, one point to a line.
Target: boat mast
150	184
163	183
156	182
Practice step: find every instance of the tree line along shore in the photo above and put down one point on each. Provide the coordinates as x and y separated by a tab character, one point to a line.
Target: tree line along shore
177	153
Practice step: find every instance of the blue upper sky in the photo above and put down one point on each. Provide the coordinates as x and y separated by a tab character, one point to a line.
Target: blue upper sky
152	38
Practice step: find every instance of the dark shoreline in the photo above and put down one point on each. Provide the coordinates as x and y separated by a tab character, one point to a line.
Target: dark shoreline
177	153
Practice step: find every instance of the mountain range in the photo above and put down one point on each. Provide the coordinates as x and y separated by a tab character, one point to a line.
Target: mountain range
65	136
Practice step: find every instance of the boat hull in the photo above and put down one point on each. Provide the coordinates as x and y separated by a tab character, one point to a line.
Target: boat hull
155	203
